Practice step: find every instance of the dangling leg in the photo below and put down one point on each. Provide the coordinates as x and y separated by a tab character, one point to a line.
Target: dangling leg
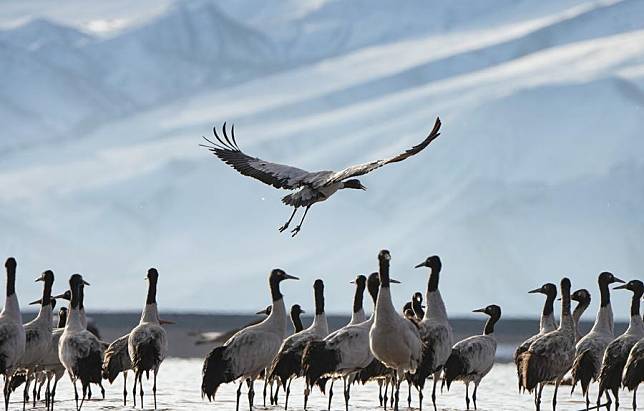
251	392
125	388
154	387
285	226
476	387
299	226
330	393
238	394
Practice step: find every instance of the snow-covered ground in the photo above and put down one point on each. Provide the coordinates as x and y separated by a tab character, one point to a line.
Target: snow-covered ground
538	172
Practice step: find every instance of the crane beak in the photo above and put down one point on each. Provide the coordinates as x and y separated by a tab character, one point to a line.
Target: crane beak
290	277
420	265
621	287
36	302
536	290
39	279
352	282
480	310
260	312
302	312
617	280
363	187
391	280
85	282
62	295
166	322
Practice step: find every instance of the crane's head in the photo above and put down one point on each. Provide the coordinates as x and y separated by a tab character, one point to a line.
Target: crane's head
433	262
353	183
547	289
582	296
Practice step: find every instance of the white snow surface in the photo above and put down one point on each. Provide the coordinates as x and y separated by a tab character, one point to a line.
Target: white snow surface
538	172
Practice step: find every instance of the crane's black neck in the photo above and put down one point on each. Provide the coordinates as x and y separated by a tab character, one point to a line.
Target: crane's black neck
297	321
319	297
489	324
46	292
604	291
432	284
152	290
77	296
417	307
565	298
373	285
11	276
62	318
274	283
548	306
635	303
358	297
384	272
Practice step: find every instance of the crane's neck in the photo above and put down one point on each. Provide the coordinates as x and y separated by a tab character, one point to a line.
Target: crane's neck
636	325
320	321
489	325
297	322
75	320
604	320
385	310
45	314
547	322
435	307
567	322
11	305
604	293
62	319
277	317
357	314
150	312
579	311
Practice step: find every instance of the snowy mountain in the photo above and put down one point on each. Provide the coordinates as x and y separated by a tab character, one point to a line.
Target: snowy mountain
537	174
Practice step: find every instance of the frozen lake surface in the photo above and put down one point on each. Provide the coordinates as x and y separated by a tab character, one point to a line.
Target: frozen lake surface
179	381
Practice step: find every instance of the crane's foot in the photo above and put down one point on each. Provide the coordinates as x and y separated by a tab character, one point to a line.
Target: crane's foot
284	227
296	230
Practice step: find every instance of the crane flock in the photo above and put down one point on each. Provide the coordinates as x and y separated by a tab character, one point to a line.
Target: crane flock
390	346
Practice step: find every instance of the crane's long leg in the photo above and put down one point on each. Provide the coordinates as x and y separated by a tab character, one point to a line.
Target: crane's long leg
288	392
635	398
265	384
436	377
238	395
136	373
299	226
124	387
7	393
251	392
554	397
476	387
408	392
141	387
154	388
347	394
330	393
286	224
75	393
307	391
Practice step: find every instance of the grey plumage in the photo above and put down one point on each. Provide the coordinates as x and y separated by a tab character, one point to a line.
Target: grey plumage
313	186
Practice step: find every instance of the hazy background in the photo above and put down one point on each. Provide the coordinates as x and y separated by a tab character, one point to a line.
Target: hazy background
538	172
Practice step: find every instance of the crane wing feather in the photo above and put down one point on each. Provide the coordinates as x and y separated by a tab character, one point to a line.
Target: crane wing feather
273	174
361	169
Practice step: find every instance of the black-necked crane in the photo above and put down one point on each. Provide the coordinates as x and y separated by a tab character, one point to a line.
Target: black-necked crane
435	332
249	352
116	360
550	356
357	317
382	375
12	332
417	305
394	340
37	337
582	297
546	324
472	358
296	322
344	352
313	186
50	364
287	364
616	354
147	343
634	370
589	350
78	349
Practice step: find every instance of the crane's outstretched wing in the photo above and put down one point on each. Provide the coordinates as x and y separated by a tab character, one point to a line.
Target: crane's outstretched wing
361	169
276	175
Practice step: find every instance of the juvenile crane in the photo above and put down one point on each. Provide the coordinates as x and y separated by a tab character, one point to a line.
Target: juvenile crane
616	354
116	360
472	358
287	364
394	340
550	356
78	349
37	336
582	296
546	324
249	352
50	363
435	332
12	332
590	349
313	186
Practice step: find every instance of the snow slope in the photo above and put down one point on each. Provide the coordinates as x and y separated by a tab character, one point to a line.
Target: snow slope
538	172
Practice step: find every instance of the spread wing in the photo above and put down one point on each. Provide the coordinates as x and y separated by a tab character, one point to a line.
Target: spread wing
361	169
276	175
